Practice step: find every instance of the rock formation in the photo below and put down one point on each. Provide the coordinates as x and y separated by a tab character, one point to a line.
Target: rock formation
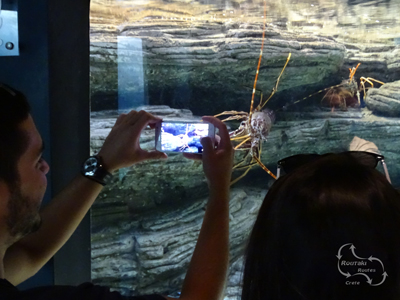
385	101
214	69
145	223
149	252
206	61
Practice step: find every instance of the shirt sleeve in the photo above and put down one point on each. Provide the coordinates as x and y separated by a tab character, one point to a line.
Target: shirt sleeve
148	297
96	292
85	291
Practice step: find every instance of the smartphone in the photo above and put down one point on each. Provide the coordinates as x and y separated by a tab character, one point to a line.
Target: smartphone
177	136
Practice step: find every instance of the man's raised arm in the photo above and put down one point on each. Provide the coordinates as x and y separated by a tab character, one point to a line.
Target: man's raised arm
62	216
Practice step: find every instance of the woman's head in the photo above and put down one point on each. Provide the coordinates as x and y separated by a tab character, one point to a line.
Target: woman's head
302	243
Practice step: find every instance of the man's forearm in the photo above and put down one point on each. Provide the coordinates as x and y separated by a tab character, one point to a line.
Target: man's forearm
60	218
208	268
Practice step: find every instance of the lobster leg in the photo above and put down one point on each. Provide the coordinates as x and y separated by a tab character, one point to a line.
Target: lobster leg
241	176
237	166
240	165
238	146
358	98
249	168
240	137
363	80
264	167
255	157
232	112
238	117
277	82
368	79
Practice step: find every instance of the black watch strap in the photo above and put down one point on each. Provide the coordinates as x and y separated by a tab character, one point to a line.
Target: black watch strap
93	169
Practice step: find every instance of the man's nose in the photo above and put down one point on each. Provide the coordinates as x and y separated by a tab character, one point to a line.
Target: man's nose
45	167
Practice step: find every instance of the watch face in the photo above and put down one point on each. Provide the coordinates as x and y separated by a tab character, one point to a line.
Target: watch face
90	166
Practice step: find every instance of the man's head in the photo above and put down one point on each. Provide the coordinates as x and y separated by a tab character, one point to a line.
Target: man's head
22	170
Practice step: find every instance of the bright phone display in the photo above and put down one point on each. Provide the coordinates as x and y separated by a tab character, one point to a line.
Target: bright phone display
182	137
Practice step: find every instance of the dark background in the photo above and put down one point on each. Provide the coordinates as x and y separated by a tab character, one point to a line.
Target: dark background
53	72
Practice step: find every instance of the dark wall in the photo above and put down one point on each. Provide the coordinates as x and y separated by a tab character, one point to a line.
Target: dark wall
53	71
70	121
29	74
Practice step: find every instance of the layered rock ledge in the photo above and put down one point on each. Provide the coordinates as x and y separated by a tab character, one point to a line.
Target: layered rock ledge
208	65
149	252
194	57
385	101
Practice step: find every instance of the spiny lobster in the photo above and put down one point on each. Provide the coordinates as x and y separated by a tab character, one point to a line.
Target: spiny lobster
346	93
255	125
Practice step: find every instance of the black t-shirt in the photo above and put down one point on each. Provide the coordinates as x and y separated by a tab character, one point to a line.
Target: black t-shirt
85	291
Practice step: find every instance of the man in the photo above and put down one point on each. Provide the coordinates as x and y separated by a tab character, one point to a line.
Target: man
29	238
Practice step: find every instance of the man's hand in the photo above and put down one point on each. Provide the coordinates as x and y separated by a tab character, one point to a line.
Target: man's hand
121	148
62	216
217	162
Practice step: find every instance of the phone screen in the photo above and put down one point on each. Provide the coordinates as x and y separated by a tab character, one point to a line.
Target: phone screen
183	137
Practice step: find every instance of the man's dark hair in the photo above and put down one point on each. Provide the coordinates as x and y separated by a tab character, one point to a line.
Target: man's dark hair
311	213
14	109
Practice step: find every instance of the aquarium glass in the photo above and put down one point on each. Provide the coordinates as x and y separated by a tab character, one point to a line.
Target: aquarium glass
327	81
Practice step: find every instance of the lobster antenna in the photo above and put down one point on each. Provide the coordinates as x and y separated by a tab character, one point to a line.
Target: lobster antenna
259	60
353	71
311	95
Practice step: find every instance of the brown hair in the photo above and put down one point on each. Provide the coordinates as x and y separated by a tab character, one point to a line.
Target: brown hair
307	216
14	109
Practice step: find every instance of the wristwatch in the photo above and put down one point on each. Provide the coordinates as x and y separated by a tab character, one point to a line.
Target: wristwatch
93	169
